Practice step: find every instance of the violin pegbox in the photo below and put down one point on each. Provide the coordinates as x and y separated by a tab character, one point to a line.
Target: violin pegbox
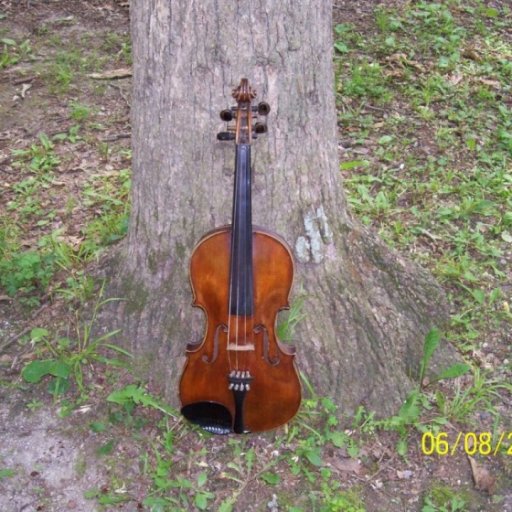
260	113
248	118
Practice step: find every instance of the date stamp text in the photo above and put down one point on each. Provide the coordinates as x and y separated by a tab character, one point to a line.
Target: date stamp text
470	443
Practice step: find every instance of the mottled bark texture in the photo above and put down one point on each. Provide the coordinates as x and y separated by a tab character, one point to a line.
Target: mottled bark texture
366	309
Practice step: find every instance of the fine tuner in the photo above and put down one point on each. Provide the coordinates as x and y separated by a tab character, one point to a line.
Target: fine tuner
259	127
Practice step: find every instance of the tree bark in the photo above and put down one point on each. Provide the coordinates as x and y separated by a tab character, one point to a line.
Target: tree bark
366	309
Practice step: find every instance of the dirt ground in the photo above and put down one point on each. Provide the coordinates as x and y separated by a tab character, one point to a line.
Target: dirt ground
48	458
53	460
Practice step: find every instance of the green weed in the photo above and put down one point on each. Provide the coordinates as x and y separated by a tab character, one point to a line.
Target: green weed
482	394
366	80
440	498
41	157
65	359
11	52
67	65
447	203
119	45
26	272
432	340
111	195
342	501
410	414
289	321
346	37
79	111
6	473
133	395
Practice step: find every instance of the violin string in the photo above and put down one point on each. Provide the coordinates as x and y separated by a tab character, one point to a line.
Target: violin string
230	300
251	277
231	272
251	241
239	257
245	184
236	236
247	119
234	272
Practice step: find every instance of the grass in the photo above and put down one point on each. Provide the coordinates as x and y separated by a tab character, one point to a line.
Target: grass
425	121
451	202
441	498
13	52
65	359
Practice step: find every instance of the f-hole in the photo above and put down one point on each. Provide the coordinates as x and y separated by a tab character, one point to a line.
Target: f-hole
219	328
272	361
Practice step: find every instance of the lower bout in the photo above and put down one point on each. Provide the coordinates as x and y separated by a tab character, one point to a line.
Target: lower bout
241	403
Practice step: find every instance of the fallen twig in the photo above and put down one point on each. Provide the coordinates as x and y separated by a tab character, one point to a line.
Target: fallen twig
112	74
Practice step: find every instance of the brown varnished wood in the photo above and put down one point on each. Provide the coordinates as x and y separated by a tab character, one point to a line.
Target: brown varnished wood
240	378
275	393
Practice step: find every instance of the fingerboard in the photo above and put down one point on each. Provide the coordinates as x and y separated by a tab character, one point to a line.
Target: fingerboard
241	272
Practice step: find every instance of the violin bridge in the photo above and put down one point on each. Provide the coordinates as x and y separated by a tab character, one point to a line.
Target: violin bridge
241	347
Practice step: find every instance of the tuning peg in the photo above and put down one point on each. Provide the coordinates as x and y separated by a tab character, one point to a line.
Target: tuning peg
260	128
226	115
225	136
263	108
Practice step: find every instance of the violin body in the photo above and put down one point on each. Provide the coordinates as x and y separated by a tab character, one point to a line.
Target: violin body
240	378
275	394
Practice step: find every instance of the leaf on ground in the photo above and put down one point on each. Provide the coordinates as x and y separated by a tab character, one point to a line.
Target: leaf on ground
482	477
404	475
59	386
347	465
506	236
491	83
410	410
271	478
36	370
455	78
314	457
38	333
97	426
352	164
432	340
454	371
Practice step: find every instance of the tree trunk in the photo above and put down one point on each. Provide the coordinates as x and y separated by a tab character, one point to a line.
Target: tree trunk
366	310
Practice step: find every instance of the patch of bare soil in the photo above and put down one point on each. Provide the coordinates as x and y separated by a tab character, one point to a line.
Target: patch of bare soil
51	462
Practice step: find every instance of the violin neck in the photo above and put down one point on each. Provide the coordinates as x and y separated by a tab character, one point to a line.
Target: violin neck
241	274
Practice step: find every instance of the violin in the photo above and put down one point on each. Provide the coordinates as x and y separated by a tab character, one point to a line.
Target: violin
240	378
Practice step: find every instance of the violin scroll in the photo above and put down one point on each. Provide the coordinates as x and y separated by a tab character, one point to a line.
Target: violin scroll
244	93
248	123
